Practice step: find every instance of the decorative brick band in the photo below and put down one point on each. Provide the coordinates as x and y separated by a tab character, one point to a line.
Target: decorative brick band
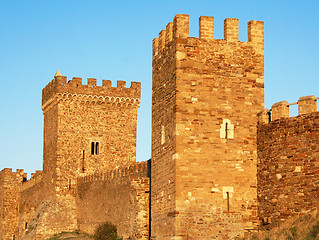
60	85
120	101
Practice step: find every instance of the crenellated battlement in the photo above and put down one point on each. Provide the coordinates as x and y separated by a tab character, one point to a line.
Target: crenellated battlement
179	29
35	179
137	169
279	110
21	177
7	173
74	87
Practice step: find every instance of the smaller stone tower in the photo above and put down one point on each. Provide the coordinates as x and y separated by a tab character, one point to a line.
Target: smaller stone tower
206	96
87	129
10	183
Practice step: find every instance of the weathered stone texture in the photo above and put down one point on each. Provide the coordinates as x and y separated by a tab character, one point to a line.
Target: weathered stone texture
32	193
53	215
206	95
288	167
120	196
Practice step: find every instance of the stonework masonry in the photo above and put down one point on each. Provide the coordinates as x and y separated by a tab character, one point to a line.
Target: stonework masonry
222	165
288	167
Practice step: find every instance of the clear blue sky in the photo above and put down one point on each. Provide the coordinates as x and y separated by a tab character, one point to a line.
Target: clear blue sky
113	40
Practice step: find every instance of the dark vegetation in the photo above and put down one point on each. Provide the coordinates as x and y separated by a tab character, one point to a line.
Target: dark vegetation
305	227
106	231
76	235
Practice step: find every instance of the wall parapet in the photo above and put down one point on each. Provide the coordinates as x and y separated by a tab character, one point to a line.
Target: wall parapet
75	87
35	179
136	169
179	29
279	110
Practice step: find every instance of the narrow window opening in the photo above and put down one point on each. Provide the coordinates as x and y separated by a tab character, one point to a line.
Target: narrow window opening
83	161
163	135
94	148
13	237
24	179
26	225
227	193
226	130
69	184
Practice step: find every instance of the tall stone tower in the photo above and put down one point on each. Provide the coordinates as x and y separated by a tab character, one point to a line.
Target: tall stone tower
206	95
87	128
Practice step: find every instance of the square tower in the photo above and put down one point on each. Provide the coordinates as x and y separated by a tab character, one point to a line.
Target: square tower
87	129
10	183
206	96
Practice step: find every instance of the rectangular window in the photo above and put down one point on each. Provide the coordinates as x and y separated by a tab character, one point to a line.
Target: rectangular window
163	135
83	161
227	201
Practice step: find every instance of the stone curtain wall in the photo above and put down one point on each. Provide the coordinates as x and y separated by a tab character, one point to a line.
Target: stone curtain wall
53	215
288	165
32	193
41	215
120	196
206	95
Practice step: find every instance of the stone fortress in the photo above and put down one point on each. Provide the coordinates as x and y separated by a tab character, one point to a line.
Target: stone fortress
221	165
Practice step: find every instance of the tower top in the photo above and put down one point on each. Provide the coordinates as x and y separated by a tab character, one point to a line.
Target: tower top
61	87
179	29
58	74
